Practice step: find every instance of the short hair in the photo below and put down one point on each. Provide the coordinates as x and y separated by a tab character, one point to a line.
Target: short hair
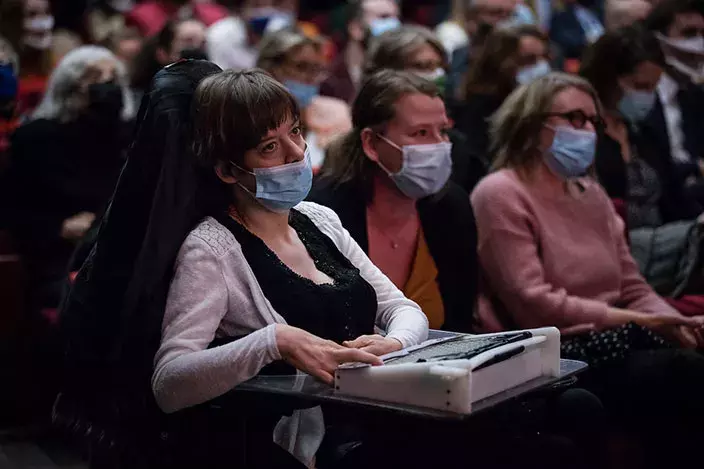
233	111
515	126
494	70
373	108
11	53
391	49
59	99
275	47
663	14
615	54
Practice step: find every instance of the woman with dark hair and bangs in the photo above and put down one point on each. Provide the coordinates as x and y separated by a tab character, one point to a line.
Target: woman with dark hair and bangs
271	278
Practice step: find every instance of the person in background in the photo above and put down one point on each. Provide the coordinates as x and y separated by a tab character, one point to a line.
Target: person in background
553	253
298	61
573	28
64	164
625	67
28	26
679	110
417	50
9	64
388	180
176	40
510	57
233	42
621	13
125	44
149	17
480	17
366	20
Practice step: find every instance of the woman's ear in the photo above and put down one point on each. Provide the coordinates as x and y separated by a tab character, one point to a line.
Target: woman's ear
369	145
225	172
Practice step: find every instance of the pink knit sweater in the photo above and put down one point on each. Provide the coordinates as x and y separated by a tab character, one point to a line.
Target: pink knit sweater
550	258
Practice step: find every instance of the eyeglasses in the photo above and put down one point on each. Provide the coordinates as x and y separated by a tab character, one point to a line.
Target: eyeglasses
309	69
579	119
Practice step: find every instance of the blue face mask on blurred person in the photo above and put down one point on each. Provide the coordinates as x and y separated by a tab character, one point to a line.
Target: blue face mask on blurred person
8	90
280	188
527	74
635	105
379	26
572	151
303	92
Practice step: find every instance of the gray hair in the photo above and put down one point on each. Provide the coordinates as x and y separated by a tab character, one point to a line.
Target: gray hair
12	57
59	100
277	45
391	49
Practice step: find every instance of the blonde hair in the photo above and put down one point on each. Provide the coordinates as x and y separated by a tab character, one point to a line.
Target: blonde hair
275	47
515	126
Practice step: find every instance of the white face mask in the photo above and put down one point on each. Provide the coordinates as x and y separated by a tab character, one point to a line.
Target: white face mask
425	168
692	45
122	6
432	76
527	74
43	24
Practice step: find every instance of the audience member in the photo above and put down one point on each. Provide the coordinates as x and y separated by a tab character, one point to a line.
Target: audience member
575	27
553	253
234	40
417	50
366	19
149	17
625	67
176	40
28	26
64	164
679	112
387	179
126	45
9	65
620	13
299	63
106	18
510	57
480	17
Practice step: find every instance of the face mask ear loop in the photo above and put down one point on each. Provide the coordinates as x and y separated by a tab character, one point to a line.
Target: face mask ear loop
389	173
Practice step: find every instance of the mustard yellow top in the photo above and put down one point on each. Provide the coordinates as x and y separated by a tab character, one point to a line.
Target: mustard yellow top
422	286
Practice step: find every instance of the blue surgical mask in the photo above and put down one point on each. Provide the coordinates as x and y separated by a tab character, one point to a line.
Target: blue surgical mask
572	151
303	92
268	19
635	105
425	168
527	74
379	26
280	188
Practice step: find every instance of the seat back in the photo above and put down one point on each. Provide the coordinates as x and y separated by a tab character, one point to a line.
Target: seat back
13	284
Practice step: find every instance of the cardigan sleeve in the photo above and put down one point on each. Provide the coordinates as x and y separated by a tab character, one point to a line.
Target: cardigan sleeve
400	317
186	371
509	256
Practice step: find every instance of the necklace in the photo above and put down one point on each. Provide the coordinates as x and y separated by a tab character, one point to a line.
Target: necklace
395	238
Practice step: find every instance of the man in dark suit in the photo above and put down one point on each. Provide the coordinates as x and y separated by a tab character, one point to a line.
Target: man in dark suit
678	116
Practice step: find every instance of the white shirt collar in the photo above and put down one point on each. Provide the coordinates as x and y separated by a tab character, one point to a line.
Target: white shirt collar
667	88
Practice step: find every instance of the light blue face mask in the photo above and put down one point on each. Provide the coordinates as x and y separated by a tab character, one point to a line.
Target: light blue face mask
527	74
303	92
280	188
379	26
635	105
571	153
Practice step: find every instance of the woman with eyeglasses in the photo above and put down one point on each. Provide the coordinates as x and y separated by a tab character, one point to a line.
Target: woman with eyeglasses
553	253
299	63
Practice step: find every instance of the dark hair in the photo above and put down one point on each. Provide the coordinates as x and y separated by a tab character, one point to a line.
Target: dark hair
373	107
494	70
233	111
663	14
615	54
146	64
